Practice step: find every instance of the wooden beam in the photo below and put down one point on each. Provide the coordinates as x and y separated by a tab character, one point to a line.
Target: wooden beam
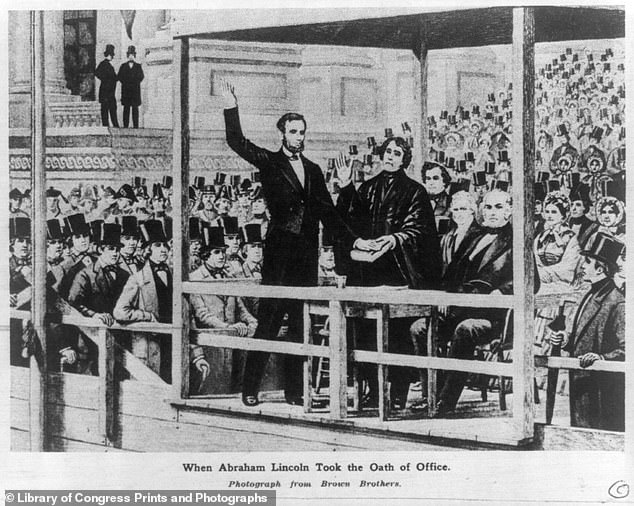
180	177
38	227
307	376
382	342
376	295
523	163
432	374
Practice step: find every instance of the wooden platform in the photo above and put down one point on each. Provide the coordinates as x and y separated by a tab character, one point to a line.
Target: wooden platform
148	422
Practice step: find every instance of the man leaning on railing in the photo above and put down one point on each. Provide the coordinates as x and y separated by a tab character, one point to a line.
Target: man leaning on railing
597	399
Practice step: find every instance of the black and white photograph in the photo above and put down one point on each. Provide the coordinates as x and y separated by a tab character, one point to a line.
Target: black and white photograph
326	249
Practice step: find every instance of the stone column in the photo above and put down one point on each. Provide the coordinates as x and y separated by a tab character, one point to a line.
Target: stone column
19	52
54	44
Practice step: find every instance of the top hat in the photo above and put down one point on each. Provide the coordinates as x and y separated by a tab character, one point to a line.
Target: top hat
489	167
503	156
255	176
465	115
167	182
405	127
234	180
15	194
562	130
539	191
157	191
131	50
76	224
461	166
491	97
604	248
110	234
245	185
469	156
95	230
388	133
502	185
479	178
108	191
223	193
138	181
451	162
54	230
220	178
152	231
20	227
191	192
444	114
542	176
256	193
109	50
573	179
440	157
580	192
213	238
129	226
597	133
230	225
199	182
460	185
552	185
475	110
126	192
195	229
431	121
253	233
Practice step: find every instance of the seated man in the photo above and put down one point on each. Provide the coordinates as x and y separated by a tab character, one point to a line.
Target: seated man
147	296
482	264
597	399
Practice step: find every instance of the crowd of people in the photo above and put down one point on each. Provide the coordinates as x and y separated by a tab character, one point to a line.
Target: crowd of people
109	251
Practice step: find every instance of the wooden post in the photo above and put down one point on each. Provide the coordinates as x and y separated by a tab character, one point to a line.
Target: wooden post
382	340
523	163
338	361
180	177
432	374
105	344
38	228
308	360
420	98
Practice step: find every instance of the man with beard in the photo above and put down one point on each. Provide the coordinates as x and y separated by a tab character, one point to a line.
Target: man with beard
208	213
298	199
393	211
15	202
147	297
580	204
159	206
52	204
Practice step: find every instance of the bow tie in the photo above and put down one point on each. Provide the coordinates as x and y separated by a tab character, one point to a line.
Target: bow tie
110	269
159	268
216	272
491	230
20	262
294	157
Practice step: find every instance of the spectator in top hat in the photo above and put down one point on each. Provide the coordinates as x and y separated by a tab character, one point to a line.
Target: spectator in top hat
259	211
222	203
73	202
126	197
128	260
597	399
208	212
233	261
20	271
130	74
218	311
97	287
195	243
252	251
15	201
159	207
147	296
54	252
106	73
556	247
327	257
79	253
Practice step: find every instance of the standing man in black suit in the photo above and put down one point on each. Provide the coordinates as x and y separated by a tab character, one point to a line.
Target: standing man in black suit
298	200
106	73
130	74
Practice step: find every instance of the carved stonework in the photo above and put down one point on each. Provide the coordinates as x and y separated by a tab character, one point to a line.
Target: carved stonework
74	114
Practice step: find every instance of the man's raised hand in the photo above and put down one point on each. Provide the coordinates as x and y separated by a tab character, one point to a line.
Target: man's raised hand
228	94
344	169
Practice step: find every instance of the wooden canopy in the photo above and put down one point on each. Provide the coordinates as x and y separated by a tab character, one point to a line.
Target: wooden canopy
440	29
